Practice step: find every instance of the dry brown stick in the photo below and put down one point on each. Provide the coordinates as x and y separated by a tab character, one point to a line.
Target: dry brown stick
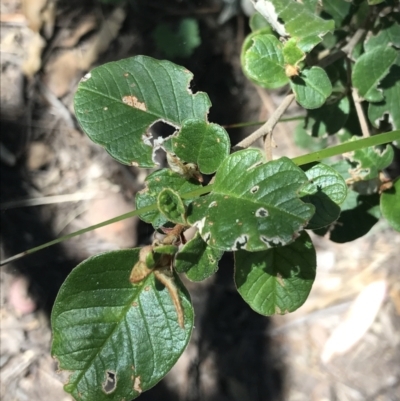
267	128
360	113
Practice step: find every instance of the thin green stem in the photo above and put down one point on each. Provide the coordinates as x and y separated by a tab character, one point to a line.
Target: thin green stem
375	140
255	123
309	158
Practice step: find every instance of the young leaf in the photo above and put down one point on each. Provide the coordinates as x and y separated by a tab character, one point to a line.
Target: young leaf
117	339
370	69
201	143
198	260
289	17
292	53
263	61
117	103
171	206
253	205
311	88
278	280
390	205
390	87
155	183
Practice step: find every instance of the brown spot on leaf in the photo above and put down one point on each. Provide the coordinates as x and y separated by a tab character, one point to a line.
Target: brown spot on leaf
147	288
137	385
126	75
134	304
134	102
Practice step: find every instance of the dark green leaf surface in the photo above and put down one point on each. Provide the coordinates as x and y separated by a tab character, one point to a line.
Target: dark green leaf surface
387	34
155	183
390	205
106	328
263	61
311	88
171	206
198	260
202	143
117	103
278	280
326	211
370	69
338	9
253	205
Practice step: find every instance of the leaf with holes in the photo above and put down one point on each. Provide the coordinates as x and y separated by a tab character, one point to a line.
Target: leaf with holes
390	87
198	260
368	162
370	69
202	143
116	338
253	205
171	206
390	205
388	34
311	88
155	183
278	280
117	103
291	18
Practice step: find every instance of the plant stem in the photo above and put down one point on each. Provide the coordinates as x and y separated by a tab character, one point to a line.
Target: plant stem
253	123
360	113
267	128
374	140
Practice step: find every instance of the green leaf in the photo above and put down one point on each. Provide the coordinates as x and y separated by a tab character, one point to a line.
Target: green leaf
171	206
306	141
263	61
180	42
338	9
116	104
289	17
202	143
390	205
387	34
253	205
198	260
328	119
370	161
370	69
374	2
116	339
258	22
311	88
278	280
359	214
292	53
326	211
326	179
390	87
155	183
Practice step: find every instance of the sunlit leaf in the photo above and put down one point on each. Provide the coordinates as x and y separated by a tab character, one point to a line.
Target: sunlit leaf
117	103
201	143
278	280
253	205
388	33
311	88
116	338
370	69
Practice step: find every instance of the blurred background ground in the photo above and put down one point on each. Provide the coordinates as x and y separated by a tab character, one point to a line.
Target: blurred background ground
343	344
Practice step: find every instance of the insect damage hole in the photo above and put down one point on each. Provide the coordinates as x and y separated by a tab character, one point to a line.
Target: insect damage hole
240	242
254	189
110	383
261	212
